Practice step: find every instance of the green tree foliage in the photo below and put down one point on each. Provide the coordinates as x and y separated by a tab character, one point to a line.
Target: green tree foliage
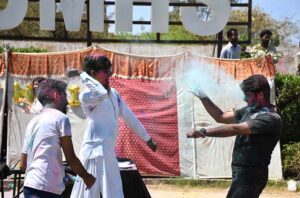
282	30
288	104
291	160
30	49
288	107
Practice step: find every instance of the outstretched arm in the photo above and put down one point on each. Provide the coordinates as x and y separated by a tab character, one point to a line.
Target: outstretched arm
222	131
213	110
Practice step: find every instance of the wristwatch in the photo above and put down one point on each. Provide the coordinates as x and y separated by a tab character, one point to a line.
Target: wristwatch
203	131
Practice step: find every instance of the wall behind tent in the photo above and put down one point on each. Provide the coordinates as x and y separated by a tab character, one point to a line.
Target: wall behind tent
134	48
155	76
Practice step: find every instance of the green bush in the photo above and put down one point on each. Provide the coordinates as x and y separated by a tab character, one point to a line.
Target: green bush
288	105
291	160
30	49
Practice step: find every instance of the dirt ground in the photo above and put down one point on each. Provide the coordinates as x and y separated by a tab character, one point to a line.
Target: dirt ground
170	191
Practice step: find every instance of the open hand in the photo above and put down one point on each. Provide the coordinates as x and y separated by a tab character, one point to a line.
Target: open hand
89	181
197	91
152	144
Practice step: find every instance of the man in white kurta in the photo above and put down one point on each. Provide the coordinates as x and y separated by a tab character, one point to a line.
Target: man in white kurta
103	107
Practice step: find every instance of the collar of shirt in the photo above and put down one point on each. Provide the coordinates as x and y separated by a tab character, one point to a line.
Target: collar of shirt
230	45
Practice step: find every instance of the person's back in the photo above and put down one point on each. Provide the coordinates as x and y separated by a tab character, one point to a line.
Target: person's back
44	151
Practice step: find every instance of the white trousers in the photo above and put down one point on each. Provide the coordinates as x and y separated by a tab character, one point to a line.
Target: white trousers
108	179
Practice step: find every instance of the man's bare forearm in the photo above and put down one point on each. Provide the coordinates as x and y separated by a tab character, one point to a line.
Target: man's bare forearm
223	131
77	167
213	110
229	130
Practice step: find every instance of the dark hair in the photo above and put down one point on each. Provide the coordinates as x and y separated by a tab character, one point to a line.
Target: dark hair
229	32
46	88
255	84
38	80
264	32
96	63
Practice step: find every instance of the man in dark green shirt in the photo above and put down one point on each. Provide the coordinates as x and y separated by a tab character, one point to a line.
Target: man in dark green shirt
257	129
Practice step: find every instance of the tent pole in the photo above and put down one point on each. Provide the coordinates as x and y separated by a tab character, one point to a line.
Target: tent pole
2	111
194	140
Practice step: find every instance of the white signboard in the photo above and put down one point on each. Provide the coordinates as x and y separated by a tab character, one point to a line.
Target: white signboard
72	11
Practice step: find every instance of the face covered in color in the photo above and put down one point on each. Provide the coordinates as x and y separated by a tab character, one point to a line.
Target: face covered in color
61	101
103	76
252	99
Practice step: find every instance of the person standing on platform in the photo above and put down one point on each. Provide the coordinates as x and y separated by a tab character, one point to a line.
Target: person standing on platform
103	106
232	50
46	134
257	128
264	48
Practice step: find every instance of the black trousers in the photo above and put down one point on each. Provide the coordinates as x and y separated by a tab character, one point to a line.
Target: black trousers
248	186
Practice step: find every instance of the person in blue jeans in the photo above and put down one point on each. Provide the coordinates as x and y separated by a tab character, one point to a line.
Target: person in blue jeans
47	134
257	128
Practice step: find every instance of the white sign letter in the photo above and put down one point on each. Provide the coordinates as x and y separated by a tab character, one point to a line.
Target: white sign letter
72	12
123	11
13	14
160	16
192	23
97	15
47	15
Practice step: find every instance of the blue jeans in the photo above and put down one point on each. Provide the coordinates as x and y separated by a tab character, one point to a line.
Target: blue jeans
34	193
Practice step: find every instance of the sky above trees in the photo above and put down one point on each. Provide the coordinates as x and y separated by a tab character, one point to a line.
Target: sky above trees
280	9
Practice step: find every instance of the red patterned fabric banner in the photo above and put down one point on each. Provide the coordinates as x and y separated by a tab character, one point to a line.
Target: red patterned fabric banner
2	64
155	105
